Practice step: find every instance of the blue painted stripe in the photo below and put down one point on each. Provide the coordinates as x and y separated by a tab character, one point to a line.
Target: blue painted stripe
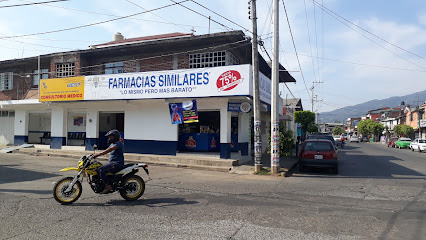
150	147
225	150
90	142
57	142
19	140
244	148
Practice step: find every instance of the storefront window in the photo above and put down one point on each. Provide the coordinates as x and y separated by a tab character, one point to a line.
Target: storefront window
208	122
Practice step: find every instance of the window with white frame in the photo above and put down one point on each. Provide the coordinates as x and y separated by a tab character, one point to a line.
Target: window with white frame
6	81
44	74
212	59
112	68
65	70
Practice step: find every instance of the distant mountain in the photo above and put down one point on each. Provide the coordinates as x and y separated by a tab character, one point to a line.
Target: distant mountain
342	114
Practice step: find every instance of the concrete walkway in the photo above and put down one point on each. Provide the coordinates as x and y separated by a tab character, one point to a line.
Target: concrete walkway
205	161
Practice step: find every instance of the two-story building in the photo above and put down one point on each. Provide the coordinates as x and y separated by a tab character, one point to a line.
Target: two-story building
166	94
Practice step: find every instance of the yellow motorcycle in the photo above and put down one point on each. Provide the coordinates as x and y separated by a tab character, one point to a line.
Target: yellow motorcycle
69	189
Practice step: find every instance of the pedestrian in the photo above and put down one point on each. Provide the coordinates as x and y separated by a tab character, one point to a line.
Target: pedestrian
116	158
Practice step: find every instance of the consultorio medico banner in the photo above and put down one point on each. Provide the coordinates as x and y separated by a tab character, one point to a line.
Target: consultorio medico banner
234	80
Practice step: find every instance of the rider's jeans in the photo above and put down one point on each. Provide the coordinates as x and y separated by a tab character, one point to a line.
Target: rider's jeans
111	167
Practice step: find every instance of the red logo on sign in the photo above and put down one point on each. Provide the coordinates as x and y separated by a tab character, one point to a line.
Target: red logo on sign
190	143
228	80
213	143
232	144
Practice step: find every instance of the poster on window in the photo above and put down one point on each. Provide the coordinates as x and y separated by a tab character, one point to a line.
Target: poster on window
185	112
78	121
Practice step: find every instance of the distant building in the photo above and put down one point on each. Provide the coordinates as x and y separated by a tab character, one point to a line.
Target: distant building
351	125
328	127
290	106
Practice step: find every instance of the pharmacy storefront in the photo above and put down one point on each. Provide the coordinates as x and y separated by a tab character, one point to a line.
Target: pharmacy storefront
162	112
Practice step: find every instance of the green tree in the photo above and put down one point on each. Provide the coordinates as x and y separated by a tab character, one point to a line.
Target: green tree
363	126
403	130
371	127
338	130
312	128
305	118
376	128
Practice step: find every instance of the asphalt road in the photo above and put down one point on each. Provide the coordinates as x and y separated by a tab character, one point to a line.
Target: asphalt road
379	193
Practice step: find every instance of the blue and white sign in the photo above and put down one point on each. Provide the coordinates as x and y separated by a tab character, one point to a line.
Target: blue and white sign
239	107
234	80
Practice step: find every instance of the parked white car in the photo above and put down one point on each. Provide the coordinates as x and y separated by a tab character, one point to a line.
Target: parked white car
354	138
418	144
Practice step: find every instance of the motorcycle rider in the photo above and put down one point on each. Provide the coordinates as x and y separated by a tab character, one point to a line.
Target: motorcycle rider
116	158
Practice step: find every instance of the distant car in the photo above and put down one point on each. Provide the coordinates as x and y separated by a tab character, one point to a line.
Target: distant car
323	136
403	143
392	141
318	153
364	139
345	136
418	144
354	138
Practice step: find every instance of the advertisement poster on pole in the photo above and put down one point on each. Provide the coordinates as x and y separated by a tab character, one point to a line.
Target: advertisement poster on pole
185	112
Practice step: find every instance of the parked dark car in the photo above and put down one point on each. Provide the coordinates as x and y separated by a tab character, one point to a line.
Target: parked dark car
323	136
319	153
392	141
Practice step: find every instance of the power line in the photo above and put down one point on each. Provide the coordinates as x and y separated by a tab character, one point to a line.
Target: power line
359	64
112	15
294	45
384	40
228	28
270	59
378	44
151	12
222	16
93	24
34	3
309	37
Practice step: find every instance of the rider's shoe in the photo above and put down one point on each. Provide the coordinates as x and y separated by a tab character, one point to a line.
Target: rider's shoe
107	189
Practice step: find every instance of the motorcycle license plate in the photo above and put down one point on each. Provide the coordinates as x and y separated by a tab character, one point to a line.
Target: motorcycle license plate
318	157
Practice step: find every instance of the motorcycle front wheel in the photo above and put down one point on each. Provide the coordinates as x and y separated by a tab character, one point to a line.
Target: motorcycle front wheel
66	197
133	187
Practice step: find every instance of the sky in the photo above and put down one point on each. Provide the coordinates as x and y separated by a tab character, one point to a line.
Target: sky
350	52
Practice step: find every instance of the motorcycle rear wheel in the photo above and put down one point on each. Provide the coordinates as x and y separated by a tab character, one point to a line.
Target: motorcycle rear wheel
133	188
66	198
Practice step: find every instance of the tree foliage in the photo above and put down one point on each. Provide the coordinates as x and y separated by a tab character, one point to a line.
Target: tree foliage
312	128
305	118
403	130
370	126
338	130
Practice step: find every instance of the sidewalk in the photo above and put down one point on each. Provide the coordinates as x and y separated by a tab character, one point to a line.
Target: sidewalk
287	165
202	161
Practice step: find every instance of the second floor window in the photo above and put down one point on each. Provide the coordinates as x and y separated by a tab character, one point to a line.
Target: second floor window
6	81
44	74
112	68
411	117
212	59
65	70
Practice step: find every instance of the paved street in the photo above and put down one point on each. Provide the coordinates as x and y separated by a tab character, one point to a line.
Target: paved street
379	193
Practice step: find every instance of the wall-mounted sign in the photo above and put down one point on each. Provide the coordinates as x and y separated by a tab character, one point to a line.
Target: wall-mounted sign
61	89
185	112
233	80
239	107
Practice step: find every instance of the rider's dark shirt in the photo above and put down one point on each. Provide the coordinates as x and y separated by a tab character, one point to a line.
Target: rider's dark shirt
117	154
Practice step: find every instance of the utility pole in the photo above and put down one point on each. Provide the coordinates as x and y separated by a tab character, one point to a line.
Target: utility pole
313	97
275	132
256	94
